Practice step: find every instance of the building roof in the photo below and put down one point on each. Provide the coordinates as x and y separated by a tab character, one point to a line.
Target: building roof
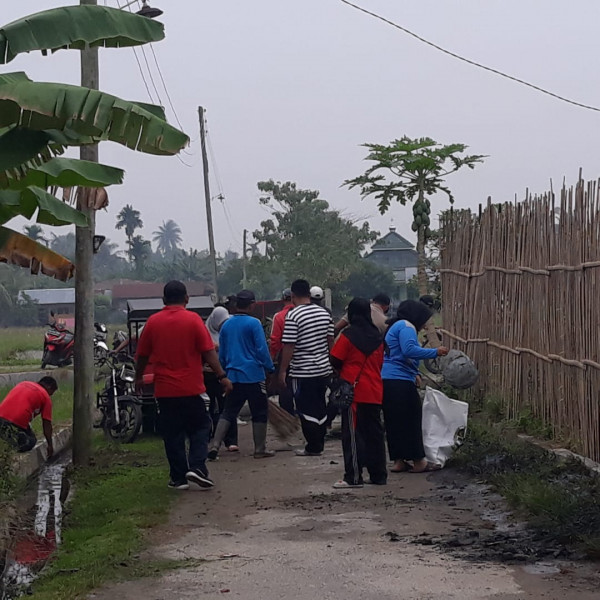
50	297
130	291
392	241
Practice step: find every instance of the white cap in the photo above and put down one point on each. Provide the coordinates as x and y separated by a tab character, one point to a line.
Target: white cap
316	292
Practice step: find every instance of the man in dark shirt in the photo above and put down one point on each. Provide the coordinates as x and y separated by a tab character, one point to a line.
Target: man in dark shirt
178	344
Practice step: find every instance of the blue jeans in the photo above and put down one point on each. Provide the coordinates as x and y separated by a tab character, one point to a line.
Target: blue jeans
180	418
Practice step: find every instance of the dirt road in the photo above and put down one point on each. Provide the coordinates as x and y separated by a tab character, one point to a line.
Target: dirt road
275	528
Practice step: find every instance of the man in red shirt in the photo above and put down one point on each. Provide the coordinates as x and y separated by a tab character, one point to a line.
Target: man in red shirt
178	344
24	402
286	400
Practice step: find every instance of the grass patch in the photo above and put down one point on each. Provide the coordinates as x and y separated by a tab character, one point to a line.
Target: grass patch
116	500
560	499
19	339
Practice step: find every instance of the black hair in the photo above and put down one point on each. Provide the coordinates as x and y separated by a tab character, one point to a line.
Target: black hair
301	288
174	292
382	299
49	382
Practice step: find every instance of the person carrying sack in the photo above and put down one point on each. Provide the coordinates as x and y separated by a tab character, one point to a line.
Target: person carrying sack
357	356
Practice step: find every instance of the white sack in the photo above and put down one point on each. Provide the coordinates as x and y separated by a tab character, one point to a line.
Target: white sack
444	425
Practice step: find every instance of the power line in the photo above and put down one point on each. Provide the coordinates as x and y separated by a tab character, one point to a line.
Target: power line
471	62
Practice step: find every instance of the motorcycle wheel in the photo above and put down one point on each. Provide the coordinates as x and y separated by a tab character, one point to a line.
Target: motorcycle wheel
433	365
47	358
130	423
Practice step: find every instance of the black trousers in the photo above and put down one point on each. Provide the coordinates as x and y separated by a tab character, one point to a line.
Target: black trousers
217	406
20	439
403	415
363	442
180	418
256	396
309	397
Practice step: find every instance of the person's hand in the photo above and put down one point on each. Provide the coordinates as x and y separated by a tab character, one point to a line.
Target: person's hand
442	351
226	385
281	380
419	381
50	451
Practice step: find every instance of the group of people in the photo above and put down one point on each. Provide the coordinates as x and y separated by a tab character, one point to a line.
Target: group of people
205	373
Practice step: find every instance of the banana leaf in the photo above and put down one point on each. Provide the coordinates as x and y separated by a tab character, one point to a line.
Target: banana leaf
68	172
75	27
86	112
50	210
18	249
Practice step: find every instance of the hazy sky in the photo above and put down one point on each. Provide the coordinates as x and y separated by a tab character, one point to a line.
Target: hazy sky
293	87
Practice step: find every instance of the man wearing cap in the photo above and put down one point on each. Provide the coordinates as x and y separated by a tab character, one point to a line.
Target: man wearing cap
245	356
178	344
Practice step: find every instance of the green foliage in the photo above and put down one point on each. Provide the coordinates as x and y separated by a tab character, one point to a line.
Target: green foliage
36	233
139	251
305	238
168	238
129	219
365	281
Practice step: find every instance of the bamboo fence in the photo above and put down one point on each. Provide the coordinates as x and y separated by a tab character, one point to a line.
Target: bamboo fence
521	296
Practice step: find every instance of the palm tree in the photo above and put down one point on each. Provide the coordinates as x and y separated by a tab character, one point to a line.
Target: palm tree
36	233
139	251
167	238
130	219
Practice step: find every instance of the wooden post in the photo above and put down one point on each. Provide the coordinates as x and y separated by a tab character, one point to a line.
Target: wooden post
244	278
83	353
211	237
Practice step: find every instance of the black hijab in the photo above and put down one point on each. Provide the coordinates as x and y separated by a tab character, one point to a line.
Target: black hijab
361	332
414	312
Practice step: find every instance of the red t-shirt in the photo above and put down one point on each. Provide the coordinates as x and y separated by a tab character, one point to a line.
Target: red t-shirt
275	344
173	340
24	402
369	389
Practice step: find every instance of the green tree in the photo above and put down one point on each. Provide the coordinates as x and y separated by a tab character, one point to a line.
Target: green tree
140	250
129	219
63	244
305	238
412	170
365	281
168	238
36	233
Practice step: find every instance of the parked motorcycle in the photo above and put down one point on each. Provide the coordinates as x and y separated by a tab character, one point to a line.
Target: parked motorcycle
121	409
100	345
58	346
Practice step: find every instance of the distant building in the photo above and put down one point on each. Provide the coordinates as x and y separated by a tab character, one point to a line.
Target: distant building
60	301
121	292
394	253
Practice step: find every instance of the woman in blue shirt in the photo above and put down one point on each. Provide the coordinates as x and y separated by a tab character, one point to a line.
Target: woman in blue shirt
402	408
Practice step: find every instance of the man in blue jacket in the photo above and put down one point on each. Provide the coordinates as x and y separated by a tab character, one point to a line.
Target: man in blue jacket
244	354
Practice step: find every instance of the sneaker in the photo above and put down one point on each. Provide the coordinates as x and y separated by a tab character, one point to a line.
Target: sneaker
305	453
344	485
199	478
178	485
213	455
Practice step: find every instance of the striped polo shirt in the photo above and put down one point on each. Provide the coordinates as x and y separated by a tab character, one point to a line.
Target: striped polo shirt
308	326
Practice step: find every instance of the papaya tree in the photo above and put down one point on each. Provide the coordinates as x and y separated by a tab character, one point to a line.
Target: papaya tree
39	120
412	170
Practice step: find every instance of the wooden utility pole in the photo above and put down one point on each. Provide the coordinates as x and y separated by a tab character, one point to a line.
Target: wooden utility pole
83	352
244	278
211	236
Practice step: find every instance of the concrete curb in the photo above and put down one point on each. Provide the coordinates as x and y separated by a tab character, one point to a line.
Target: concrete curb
29	463
11	379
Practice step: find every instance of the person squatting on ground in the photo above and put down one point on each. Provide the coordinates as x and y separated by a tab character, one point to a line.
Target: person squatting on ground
307	340
215	321
245	356
21	405
275	346
357	356
402	408
178	344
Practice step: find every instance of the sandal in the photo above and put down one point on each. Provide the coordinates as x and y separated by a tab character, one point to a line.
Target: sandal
400	468
344	485
233	448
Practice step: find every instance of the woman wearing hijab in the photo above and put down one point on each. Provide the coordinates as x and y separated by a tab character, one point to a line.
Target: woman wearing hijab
357	356
213	388
402	408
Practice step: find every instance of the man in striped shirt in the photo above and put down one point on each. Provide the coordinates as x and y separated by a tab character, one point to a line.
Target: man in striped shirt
307	340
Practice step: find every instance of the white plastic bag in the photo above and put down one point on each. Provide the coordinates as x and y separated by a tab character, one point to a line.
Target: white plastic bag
444	426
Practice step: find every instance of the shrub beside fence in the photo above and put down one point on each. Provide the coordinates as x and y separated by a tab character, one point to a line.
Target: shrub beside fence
521	296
